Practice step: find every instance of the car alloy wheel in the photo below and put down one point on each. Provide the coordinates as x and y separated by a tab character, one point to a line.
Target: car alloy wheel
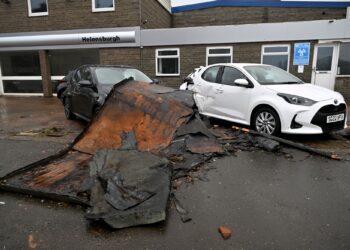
266	121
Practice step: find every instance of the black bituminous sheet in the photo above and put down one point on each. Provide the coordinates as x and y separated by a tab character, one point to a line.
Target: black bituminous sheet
129	187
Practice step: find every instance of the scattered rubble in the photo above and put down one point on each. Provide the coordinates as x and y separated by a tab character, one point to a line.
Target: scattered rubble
268	144
184	215
52	132
32	244
225	232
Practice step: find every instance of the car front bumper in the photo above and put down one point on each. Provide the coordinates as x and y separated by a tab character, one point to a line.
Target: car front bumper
313	119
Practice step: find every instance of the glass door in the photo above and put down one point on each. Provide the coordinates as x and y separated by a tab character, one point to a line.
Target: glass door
324	65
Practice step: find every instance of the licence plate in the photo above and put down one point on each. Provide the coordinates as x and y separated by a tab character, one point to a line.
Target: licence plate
335	118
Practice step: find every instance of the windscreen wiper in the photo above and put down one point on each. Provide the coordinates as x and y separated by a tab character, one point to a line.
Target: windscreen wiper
291	82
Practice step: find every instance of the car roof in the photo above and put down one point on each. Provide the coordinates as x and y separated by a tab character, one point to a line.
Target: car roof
106	66
239	65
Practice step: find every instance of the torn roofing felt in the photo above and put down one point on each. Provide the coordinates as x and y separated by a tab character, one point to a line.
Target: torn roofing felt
128	187
136	107
137	122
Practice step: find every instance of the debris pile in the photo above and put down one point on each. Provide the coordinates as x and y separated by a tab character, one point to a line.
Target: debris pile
121	166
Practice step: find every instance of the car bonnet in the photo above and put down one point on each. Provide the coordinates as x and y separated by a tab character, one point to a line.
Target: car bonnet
310	91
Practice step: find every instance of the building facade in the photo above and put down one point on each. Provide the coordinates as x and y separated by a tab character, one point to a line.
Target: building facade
41	40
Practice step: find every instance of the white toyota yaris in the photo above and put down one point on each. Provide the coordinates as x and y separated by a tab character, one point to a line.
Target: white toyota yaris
268	98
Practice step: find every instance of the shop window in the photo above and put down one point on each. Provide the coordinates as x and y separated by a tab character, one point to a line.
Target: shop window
219	55
63	61
276	55
168	62
20	63
103	5
20	72
37	8
22	86
344	59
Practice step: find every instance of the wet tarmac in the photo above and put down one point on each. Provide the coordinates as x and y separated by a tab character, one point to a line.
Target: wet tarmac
36	114
268	201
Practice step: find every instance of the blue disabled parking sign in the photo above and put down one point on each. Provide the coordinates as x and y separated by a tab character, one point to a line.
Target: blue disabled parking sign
301	53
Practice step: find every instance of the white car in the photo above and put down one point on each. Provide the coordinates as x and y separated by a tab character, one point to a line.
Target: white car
267	98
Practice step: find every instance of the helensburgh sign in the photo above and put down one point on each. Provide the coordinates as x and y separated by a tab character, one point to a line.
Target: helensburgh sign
69	39
102	39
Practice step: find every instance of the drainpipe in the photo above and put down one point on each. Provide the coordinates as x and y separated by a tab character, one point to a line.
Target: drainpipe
45	72
140	23
348	12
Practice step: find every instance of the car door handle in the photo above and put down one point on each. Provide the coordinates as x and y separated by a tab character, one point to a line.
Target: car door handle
219	91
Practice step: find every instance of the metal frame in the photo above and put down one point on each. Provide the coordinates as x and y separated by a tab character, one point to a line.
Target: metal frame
219	55
1	85
94	9
31	14
337	56
23	78
171	56
275	53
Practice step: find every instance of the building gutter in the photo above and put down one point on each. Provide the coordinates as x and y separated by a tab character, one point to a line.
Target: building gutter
248	33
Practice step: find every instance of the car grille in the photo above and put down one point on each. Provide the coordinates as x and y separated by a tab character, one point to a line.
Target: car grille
320	119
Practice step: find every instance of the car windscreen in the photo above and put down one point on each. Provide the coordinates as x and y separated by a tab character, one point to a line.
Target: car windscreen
106	76
269	75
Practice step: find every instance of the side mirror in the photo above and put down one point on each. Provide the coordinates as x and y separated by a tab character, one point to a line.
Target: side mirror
85	83
188	80
242	82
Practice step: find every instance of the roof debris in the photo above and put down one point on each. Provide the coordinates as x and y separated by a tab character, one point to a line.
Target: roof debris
122	165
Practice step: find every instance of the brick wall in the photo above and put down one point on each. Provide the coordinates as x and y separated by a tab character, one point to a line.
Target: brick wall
342	85
65	15
194	56
154	15
244	15
121	56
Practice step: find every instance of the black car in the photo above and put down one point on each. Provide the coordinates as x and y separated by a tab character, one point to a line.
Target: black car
90	84
61	85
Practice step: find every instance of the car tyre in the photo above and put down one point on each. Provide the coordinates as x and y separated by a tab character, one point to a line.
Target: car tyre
67	111
266	120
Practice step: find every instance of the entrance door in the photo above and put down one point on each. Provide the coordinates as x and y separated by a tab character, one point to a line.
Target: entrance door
324	65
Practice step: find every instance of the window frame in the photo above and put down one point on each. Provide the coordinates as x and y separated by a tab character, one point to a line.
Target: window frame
170	56
94	9
20	78
218	55
31	14
275	53
337	69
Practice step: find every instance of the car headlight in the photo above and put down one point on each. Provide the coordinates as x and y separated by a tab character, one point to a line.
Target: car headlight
297	100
